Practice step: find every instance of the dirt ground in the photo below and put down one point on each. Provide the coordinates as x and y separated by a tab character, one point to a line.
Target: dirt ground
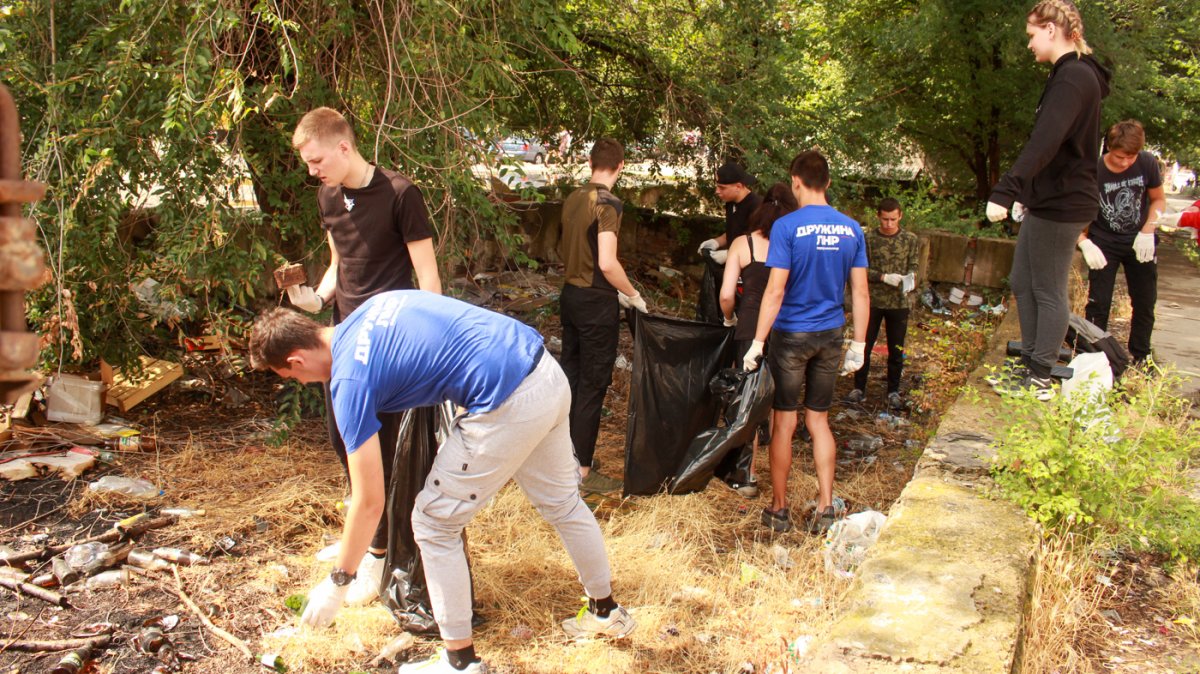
712	591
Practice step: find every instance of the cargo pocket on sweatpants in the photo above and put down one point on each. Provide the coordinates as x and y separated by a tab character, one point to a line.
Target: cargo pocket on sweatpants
444	499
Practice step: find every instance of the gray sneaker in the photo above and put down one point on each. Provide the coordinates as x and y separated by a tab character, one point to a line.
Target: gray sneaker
856	396
744	489
599	483
895	402
618	624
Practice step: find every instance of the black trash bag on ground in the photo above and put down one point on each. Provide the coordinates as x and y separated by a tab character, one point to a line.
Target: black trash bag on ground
1087	337
747	398
708	305
405	593
669	399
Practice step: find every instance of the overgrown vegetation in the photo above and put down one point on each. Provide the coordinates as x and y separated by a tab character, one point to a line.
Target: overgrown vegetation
154	121
1111	467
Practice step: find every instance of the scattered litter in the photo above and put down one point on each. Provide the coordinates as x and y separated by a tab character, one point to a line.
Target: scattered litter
402	643
125	390
669	273
974	300
779	555
799	647
935	302
183	513
622	363
849	414
848	539
180	556
149	293
110	578
668	632
85	555
273	661
957	295
1113	616
521	632
68	464
750	574
1104	580
864	444
74	399
136	488
892	421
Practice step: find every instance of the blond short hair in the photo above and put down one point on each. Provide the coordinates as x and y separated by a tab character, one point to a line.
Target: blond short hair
322	124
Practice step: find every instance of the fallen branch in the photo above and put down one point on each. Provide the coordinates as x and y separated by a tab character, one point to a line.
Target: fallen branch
23	558
238	643
48	596
100	641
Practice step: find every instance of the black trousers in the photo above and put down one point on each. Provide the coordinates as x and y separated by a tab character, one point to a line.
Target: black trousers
591	322
896	325
387	450
1142	280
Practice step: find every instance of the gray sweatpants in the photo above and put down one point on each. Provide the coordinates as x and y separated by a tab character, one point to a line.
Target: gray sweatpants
1039	279
527	439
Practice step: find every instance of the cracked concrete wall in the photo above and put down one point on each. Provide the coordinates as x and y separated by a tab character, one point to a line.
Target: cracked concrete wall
946	587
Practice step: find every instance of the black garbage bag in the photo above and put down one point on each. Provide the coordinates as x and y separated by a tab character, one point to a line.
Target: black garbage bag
746	397
1087	337
405	592
708	305
669	398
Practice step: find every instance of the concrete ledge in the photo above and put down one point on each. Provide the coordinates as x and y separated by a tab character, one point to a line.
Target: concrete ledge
946	587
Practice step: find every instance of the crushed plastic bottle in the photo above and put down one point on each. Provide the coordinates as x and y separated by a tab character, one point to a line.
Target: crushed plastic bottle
86	555
128	486
865	444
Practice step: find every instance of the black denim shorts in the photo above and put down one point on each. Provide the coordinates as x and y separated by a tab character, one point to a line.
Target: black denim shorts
808	362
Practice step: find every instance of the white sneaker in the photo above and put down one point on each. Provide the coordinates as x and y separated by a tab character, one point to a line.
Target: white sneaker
364	589
438	663
587	624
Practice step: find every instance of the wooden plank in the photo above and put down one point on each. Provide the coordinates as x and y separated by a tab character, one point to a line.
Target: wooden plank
125	393
993	261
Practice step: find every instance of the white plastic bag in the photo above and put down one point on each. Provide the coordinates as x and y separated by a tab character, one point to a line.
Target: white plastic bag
1091	378
847	541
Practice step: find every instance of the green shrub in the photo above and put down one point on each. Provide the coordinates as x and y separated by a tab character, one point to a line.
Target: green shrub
1113	467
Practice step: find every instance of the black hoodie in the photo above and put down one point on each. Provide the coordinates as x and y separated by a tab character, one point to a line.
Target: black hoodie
1055	176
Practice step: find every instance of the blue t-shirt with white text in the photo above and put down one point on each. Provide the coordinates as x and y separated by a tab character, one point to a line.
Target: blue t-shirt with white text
408	348
819	246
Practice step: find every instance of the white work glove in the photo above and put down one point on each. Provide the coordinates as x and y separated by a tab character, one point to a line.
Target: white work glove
750	360
996	212
1018	211
323	603
305	298
719	256
1143	247
893	279
1092	255
710	244
729	322
632	302
855	356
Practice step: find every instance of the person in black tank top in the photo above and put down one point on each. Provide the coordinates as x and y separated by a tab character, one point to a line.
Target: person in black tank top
747	255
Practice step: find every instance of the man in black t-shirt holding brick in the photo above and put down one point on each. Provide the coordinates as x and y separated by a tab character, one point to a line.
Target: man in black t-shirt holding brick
379	234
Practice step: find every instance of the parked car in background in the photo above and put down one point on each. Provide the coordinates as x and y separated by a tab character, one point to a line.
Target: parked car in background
524	149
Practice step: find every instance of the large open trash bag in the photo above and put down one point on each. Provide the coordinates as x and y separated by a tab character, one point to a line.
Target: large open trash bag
669	398
708	304
746	398
1087	337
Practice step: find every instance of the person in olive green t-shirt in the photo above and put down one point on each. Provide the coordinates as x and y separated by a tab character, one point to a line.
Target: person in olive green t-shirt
595	289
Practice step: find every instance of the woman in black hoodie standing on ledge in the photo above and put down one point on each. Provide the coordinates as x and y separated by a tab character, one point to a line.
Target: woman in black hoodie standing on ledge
1055	179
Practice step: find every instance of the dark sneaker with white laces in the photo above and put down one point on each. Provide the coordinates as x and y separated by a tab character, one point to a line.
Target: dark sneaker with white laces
1011	373
1042	388
777	520
895	402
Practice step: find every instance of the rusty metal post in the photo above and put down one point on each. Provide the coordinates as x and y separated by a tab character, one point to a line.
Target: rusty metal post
22	264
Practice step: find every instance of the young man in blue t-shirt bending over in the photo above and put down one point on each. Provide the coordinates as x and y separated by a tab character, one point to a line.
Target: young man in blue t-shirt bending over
406	349
814	251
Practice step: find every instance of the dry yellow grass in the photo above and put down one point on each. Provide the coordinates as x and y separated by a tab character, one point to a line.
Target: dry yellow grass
1064	609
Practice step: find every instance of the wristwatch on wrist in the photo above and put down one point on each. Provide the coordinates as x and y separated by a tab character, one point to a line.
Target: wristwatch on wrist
340	577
